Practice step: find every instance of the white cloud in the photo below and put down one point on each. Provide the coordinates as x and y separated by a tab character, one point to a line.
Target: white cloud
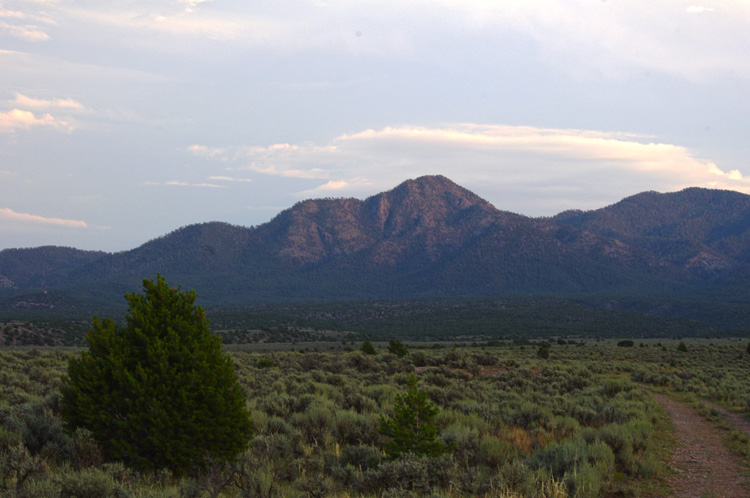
18	119
177	183
532	169
228	179
203	151
27	32
8	215
24	101
191	4
592	38
697	9
334	185
14	14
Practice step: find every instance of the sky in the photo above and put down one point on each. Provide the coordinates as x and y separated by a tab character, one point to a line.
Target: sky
123	121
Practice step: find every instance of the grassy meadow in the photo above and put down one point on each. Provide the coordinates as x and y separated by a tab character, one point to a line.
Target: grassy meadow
579	423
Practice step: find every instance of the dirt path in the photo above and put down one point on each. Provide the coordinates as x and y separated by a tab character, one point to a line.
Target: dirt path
737	420
704	466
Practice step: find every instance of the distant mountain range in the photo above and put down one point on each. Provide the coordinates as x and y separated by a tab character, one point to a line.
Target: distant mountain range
679	254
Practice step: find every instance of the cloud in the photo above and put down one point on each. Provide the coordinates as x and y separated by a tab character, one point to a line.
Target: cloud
24	101
17	119
228	179
334	185
11	14
592	39
28	32
23	218
203	151
191	4
537	170
176	183
697	9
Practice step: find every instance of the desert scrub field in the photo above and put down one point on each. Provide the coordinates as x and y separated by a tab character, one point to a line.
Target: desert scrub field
580	423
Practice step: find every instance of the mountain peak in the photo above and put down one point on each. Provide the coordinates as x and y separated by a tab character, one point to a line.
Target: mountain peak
432	207
434	188
425	203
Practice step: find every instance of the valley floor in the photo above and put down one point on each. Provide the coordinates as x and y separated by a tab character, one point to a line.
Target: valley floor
539	420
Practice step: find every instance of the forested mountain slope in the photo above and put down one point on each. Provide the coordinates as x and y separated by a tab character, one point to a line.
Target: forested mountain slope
426	238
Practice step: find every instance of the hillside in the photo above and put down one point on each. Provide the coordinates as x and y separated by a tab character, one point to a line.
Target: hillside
698	229
426	238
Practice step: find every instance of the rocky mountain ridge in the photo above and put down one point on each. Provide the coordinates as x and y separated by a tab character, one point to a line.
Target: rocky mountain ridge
427	237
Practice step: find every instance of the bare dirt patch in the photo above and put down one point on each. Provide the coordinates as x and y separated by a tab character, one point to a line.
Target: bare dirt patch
704	466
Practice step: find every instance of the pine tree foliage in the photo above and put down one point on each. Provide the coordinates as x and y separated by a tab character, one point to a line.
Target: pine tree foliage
158	392
412	428
368	348
395	346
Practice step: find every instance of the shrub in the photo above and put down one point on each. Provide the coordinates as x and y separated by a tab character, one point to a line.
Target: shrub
412	428
410	473
86	451
264	362
368	348
419	358
494	451
361	457
353	428
397	347
256	481
87	483
158	392
17	465
560	458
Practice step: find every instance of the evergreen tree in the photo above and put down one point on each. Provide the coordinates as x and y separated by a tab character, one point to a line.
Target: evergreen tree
368	348
412	428
158	392
397	347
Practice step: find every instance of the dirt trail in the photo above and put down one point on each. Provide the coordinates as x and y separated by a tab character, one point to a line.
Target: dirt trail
704	466
737	420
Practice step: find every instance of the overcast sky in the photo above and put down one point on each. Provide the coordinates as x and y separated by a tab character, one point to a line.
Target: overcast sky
122	121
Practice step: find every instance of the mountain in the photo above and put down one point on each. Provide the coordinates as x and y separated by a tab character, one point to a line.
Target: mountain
426	238
697	229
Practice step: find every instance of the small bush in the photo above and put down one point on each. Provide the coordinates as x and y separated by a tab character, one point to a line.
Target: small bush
264	362
361	457
368	348
86	451
412	428
494	451
87	483
256	480
395	346
410	473
18	466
